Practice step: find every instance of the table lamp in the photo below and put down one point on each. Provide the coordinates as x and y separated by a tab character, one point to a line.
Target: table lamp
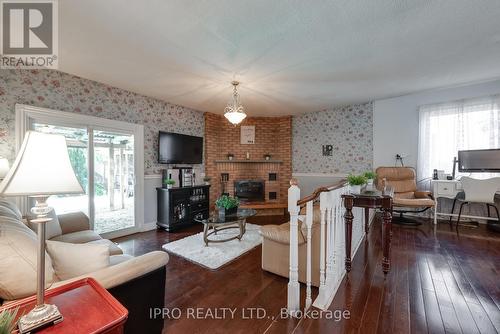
42	168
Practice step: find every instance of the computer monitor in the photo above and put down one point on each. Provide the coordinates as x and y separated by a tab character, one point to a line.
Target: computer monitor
478	161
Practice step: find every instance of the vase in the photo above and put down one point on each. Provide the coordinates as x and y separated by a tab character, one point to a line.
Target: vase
227	212
170	186
355	189
369	182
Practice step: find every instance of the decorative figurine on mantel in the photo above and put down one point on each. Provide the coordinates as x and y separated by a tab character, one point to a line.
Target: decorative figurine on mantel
267	157
230	156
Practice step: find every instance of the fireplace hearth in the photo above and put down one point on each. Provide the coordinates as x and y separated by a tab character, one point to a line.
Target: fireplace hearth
249	190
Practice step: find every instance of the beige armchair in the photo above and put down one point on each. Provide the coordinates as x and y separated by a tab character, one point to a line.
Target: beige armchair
276	248
406	196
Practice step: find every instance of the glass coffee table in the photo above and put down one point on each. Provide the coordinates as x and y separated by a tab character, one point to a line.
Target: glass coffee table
216	223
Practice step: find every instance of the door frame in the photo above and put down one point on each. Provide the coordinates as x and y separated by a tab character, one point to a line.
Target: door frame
25	114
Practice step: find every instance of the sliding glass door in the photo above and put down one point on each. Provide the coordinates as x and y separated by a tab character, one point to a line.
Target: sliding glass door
107	157
113	181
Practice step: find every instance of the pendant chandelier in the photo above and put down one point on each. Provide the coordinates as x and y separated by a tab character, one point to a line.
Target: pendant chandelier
234	112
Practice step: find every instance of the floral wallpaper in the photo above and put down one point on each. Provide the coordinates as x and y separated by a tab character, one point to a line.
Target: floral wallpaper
348	129
65	92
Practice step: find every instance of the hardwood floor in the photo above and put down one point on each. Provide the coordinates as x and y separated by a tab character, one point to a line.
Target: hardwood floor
440	282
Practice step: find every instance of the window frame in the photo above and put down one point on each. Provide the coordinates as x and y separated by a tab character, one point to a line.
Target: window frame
463	107
26	115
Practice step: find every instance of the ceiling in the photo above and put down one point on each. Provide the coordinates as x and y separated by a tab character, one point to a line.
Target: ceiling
290	56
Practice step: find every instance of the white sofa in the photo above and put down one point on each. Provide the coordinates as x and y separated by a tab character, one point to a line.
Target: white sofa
138	282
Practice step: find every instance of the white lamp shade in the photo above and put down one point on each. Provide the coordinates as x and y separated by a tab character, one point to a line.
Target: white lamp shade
42	167
4	167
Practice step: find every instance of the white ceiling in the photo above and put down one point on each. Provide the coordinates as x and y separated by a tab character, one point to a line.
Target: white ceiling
290	56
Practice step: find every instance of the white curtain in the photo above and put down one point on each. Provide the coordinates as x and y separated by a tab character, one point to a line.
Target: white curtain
447	128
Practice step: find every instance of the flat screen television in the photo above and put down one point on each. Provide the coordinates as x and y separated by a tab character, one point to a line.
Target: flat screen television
175	148
479	160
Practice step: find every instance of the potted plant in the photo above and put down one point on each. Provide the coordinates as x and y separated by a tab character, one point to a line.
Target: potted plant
267	156
227	205
207	179
7	321
169	183
230	156
355	183
370	176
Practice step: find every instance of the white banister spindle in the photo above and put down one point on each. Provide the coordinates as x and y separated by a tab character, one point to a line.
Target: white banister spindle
293	282
335	235
309	222
341	219
329	243
333	243
322	256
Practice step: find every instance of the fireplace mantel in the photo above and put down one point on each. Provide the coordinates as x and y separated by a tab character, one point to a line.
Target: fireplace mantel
249	161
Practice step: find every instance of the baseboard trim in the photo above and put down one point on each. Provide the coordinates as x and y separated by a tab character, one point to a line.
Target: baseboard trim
148	226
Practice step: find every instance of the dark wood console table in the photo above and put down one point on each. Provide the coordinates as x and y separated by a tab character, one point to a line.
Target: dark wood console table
370	199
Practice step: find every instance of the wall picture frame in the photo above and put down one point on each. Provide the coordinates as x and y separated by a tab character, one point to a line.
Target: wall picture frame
327	150
247	134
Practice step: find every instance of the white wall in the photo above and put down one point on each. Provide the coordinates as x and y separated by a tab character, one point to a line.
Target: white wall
151	182
395	120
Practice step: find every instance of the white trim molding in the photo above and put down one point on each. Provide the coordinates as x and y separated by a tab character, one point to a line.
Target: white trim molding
152	176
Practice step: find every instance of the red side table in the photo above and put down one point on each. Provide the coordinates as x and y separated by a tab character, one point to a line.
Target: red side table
85	306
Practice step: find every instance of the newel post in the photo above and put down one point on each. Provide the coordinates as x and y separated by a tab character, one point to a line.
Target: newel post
293	282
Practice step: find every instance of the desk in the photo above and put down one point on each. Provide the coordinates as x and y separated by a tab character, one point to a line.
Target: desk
450	189
370	200
86	308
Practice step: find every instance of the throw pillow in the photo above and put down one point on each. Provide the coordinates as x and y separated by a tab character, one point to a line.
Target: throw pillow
71	260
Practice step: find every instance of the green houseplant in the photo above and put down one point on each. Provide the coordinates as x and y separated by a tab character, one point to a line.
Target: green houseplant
370	176
169	183
355	182
7	321
227	205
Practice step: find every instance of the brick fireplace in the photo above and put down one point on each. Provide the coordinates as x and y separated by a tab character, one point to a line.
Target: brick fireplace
273	135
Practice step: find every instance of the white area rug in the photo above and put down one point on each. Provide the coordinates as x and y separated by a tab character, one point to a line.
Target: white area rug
215	254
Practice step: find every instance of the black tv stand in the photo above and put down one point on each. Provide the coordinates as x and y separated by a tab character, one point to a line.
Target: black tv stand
177	207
